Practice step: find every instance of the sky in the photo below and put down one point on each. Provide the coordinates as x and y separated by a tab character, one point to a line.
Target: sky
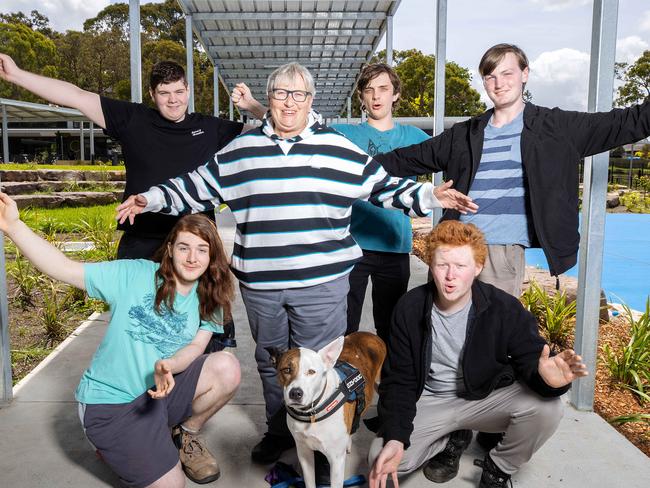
556	35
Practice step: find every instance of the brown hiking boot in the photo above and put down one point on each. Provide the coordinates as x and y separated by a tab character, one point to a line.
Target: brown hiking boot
198	463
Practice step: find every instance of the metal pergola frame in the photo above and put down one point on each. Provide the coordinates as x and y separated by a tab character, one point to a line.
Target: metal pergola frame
603	45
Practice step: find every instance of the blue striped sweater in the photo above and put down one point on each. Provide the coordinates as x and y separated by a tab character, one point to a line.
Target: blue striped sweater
292	200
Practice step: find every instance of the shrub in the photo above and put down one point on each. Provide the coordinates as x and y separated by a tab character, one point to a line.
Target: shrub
54	314
100	230
553	312
630	365
27	279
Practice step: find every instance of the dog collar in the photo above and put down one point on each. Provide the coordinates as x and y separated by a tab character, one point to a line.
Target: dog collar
352	382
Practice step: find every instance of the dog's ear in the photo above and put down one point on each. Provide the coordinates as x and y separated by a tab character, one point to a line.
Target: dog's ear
275	353
330	353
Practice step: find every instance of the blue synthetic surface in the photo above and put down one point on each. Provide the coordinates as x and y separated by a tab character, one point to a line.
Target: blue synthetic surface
626	260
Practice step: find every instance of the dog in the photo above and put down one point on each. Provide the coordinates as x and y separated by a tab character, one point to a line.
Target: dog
323	410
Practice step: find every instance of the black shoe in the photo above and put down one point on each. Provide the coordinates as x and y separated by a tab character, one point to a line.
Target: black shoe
492	476
321	469
444	466
270	448
489	440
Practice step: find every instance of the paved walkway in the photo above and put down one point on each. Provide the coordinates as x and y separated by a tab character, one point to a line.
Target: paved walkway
42	444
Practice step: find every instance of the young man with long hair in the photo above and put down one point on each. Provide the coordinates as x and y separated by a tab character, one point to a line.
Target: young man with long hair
149	376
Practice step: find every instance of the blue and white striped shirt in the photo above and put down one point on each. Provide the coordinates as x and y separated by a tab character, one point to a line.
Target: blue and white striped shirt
499	187
292	200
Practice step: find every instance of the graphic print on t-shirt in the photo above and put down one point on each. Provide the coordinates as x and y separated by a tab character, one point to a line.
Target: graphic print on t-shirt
167	332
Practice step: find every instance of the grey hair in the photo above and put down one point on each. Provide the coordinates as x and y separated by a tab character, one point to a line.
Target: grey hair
291	71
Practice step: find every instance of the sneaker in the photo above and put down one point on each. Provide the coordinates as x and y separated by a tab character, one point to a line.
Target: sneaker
198	463
492	476
444	466
271	447
321	469
489	440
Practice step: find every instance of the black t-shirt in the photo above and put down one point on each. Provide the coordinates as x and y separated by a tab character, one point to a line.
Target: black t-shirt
156	149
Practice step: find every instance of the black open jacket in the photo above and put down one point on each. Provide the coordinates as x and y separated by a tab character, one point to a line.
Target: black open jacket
503	345
552	143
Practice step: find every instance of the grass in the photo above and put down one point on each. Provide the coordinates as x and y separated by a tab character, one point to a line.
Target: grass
80	167
553	312
66	219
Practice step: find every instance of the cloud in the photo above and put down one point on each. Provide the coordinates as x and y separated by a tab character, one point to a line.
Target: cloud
555	5
629	49
63	14
560	78
644	24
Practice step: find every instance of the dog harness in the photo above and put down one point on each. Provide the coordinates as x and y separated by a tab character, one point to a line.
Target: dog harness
350	389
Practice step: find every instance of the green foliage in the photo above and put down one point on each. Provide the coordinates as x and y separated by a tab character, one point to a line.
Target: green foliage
27	279
633	417
630	364
100	230
27	355
68	219
81	167
553	312
636	81
54	313
636	202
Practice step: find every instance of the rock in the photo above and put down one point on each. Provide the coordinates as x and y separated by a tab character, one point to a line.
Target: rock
613	200
60	175
68	199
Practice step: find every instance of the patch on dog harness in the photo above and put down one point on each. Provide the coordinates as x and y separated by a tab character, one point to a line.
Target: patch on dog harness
350	389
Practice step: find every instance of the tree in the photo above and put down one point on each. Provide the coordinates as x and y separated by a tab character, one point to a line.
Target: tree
114	17
36	21
636	81
32	51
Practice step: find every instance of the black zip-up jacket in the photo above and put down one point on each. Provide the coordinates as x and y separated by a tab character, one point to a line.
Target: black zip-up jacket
552	143
503	345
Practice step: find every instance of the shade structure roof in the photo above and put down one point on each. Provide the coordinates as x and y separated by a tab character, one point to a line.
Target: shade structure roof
19	111
248	39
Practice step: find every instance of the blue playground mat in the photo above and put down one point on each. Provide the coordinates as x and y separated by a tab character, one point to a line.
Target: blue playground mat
626	260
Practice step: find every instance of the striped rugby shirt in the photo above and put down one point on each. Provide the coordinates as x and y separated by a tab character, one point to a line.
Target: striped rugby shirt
292	200
499	187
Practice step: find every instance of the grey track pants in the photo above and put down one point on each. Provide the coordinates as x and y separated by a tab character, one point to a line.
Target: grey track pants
527	419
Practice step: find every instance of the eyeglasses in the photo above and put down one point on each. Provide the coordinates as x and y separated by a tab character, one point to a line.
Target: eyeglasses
297	95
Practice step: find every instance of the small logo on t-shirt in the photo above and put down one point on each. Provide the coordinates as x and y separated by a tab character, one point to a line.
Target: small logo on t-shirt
197	132
373	150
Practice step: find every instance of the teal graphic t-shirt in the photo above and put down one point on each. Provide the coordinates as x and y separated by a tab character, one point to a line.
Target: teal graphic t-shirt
123	365
374	228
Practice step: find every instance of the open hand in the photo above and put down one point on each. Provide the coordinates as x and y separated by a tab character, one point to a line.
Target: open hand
450	198
130	207
163	378
561	369
8	212
386	464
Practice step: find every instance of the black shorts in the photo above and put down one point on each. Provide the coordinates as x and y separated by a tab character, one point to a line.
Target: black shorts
134	439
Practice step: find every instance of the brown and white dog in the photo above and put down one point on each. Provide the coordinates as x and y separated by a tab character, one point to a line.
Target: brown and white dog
310	385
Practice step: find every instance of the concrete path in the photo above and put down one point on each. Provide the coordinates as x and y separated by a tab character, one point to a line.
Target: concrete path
42	444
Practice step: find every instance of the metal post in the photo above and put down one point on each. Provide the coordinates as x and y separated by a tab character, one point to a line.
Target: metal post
82	149
189	56
439	87
601	86
231	110
92	142
349	110
389	40
136	55
5	350
215	90
5	135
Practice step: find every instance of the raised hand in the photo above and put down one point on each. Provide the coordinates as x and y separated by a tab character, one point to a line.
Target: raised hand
450	198
242	97
386	464
8	67
8	212
130	207
163	378
560	370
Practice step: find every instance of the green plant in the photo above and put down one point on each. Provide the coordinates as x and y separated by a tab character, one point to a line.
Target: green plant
554	313
26	278
630	365
26	355
633	417
100	230
54	314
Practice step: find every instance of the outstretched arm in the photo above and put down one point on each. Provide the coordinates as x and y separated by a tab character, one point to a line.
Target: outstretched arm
41	253
54	91
165	369
243	98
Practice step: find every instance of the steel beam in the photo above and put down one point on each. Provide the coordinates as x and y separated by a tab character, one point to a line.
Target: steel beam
601	87
276	62
215	90
5	134
270	16
189	61
82	143
136	54
248	34
439	88
289	49
92	142
389	40
349	109
5	349
230	110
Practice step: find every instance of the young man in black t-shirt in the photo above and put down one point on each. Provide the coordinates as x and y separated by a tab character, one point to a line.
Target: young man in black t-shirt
157	143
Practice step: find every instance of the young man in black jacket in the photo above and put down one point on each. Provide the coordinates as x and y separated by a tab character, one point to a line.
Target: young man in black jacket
463	354
519	163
